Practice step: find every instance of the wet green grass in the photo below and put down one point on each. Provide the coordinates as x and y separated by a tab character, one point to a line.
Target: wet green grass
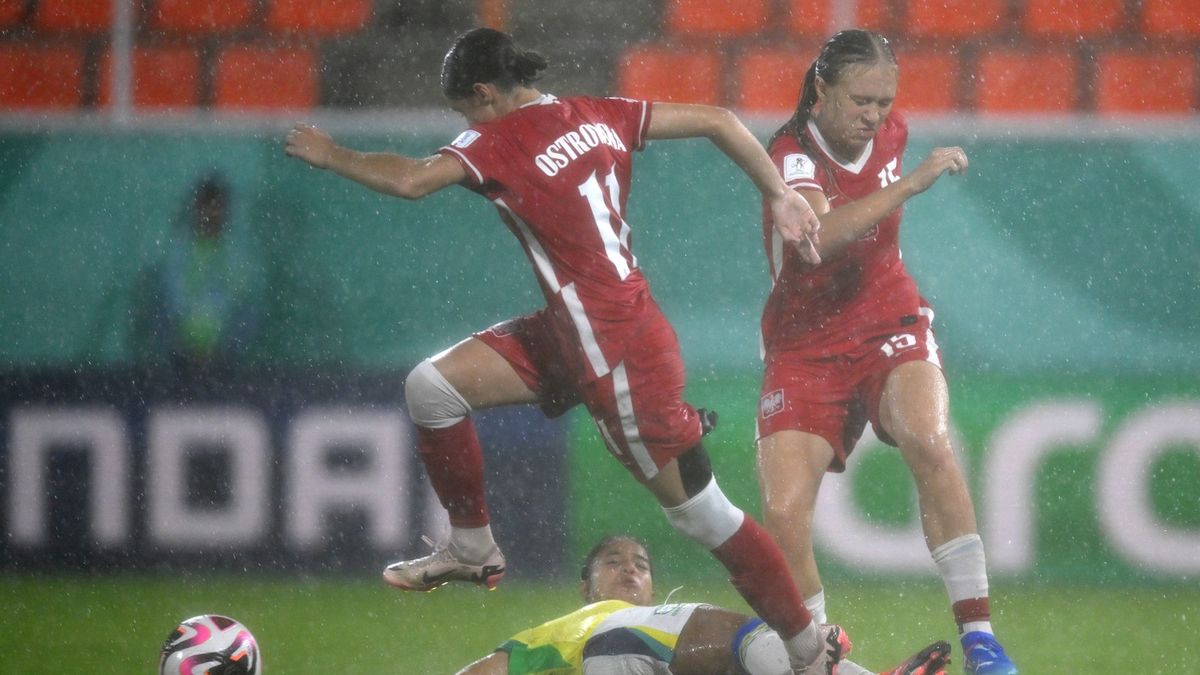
115	624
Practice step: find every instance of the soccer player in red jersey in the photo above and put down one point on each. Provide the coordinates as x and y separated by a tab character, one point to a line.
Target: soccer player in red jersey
850	340
558	172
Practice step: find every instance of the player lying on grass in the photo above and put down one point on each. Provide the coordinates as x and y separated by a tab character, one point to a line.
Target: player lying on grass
620	631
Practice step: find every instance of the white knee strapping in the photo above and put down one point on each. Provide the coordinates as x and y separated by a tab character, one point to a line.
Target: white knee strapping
433	402
709	517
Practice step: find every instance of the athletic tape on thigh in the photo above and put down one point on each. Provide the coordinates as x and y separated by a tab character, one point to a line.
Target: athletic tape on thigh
432	401
709	517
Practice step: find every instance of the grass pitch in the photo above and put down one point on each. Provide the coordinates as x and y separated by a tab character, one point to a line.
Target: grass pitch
115	624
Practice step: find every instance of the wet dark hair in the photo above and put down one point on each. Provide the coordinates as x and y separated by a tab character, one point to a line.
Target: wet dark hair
487	56
843	51
585	574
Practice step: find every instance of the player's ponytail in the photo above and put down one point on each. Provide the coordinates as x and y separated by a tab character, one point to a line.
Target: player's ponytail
487	56
527	67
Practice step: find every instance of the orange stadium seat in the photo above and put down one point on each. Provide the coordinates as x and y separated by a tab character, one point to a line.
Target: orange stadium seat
715	18
40	77
11	12
73	15
1014	80
330	17
255	77
163	77
809	18
1171	18
1144	82
1072	18
953	18
812	18
769	79
193	16
929	81
669	74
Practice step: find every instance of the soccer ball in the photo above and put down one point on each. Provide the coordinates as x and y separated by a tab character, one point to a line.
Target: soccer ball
210	644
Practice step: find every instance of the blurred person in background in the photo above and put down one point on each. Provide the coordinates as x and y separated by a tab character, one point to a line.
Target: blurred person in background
620	630
558	171
202	311
851	340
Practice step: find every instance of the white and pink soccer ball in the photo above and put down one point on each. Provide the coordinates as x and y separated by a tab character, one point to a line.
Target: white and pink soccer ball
210	644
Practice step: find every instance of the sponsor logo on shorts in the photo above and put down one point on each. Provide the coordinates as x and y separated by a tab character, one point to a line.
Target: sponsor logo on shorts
772	403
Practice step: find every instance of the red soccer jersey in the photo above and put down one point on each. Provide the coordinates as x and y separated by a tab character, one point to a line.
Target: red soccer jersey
558	171
864	290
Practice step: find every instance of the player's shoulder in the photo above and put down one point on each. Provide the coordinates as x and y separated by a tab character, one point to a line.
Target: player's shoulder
792	159
787	151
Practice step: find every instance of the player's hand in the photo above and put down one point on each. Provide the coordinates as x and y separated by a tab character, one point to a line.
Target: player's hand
952	160
797	224
310	144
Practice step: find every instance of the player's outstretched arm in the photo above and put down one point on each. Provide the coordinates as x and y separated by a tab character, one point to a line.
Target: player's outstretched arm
384	172
842	226
794	218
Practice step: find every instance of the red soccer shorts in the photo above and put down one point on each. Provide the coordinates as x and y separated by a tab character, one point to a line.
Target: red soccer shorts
834	395
638	407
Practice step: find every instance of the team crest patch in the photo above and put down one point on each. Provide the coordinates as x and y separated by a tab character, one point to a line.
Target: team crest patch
771	403
465	138
798	166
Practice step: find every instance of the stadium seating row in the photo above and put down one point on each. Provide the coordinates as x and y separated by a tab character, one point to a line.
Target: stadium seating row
244	76
765	79
948	19
1039	56
325	18
999	79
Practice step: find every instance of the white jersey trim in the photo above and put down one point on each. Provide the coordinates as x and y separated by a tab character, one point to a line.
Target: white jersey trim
466	162
857	166
930	341
629	426
545	270
641	140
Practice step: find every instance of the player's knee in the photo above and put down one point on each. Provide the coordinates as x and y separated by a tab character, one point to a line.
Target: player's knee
432	401
708	518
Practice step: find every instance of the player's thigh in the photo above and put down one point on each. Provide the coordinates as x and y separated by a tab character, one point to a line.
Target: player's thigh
914	405
482	376
704	646
790	467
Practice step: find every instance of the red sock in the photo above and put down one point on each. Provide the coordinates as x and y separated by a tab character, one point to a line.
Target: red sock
972	610
454	461
760	573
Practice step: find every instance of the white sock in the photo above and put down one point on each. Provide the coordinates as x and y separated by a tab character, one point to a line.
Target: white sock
471	545
761	652
816	606
804	646
961	563
963	567
977	627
